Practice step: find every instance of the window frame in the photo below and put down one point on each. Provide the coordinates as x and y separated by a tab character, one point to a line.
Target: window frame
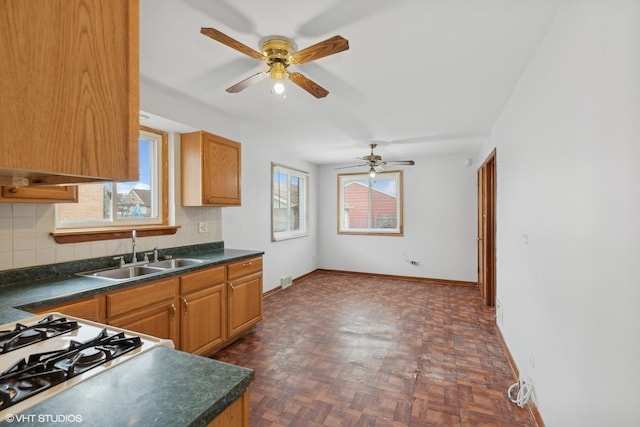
118	229
277	236
370	231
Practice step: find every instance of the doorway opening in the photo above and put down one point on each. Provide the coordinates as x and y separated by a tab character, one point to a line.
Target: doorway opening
487	229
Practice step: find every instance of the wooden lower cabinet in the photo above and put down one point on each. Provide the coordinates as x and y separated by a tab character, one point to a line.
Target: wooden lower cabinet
148	309
199	311
203	310
236	415
89	308
244	299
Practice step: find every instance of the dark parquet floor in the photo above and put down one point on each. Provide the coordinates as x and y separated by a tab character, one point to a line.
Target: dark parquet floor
352	350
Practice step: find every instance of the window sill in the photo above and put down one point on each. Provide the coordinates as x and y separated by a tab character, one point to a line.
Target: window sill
95	234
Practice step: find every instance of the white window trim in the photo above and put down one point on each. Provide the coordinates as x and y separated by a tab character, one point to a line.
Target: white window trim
343	217
304	217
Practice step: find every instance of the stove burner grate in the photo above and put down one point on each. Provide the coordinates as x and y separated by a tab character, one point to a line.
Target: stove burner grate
42	371
22	336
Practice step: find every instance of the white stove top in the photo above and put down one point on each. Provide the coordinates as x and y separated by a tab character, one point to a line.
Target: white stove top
86	331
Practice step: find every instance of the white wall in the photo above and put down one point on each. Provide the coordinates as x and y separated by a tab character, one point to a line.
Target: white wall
568	143
249	226
439	225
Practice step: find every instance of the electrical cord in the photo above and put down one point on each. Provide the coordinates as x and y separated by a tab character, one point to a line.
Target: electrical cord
522	391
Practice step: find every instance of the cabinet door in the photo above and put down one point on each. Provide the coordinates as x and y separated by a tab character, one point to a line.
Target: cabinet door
70	89
236	414
221	180
203	320
158	321
54	194
244	303
90	309
149	309
210	167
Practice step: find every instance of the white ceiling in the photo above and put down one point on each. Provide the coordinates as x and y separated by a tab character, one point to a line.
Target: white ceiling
421	77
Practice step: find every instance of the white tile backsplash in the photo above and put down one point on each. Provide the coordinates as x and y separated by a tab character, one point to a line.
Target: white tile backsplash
24	225
25	238
6	225
6	210
45	256
24	258
24	210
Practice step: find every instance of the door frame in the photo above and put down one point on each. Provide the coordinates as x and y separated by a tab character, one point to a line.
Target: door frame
487	229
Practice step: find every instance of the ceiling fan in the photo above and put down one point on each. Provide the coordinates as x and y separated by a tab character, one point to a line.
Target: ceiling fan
376	164
279	52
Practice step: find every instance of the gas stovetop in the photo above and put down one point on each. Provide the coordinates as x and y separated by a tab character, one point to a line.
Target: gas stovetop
43	355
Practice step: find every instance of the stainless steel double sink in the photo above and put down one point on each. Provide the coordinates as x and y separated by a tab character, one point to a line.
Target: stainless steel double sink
131	272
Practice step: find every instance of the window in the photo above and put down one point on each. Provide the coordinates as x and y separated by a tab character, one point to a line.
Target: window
369	205
289	203
122	204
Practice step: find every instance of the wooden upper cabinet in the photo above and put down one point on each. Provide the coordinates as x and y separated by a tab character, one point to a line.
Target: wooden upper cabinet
210	171
69	108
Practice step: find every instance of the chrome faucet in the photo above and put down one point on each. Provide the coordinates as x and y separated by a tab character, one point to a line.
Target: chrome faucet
134	257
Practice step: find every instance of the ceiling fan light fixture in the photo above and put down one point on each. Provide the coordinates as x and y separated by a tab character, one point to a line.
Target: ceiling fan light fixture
372	172
278	73
278	87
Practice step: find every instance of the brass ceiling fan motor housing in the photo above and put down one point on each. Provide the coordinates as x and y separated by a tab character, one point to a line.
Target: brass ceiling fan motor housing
277	52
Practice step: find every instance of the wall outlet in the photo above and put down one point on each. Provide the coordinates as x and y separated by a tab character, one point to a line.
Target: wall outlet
203	227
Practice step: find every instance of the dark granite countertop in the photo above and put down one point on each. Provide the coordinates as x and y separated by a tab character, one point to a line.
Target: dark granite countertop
160	387
29	288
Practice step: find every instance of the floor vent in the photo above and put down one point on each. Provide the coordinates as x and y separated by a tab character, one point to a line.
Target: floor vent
285	282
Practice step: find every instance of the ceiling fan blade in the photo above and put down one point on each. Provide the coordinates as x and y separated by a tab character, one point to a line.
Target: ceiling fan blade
353	166
247	82
309	85
319	50
232	43
401	162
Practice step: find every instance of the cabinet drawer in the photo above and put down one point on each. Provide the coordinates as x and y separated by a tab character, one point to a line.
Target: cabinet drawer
89	309
122	302
53	194
201	279
244	267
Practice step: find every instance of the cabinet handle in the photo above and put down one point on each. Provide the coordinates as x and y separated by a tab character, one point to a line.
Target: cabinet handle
231	287
13	190
173	309
246	264
186	305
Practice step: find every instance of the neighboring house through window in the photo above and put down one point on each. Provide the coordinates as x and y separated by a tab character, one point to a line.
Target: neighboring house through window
370	205
122	204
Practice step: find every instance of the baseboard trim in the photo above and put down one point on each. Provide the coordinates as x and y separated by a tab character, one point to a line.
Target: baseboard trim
428	280
531	406
294	282
272	291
